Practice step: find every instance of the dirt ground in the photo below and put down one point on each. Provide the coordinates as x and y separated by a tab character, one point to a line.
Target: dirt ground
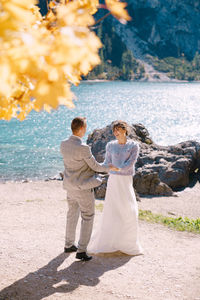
33	265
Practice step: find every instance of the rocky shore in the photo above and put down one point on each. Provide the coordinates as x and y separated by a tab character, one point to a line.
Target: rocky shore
160	170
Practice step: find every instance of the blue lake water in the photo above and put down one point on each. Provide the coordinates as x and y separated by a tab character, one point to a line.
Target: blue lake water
170	112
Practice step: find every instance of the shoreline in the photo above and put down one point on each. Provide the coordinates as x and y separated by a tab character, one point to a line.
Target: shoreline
185	203
142	80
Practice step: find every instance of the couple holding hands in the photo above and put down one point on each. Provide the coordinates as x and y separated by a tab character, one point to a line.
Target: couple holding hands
118	229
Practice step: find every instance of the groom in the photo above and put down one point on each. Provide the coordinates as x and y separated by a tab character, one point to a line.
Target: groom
79	181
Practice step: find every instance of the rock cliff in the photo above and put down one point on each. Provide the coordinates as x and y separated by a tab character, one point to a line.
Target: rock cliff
158	27
160	169
162	28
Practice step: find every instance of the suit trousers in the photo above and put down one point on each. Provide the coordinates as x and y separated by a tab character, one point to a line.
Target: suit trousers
79	202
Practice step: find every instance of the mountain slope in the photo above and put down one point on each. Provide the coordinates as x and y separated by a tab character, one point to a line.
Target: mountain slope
159	29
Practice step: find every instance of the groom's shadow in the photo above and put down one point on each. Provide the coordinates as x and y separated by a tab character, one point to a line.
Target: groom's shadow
48	280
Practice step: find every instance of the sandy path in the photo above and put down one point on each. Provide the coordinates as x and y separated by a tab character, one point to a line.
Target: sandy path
185	203
33	267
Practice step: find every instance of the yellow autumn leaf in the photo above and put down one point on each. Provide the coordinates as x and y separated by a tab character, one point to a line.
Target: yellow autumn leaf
90	5
41	56
5	73
52	4
18	11
24	110
46	92
36	11
117	9
47	107
73	15
8	108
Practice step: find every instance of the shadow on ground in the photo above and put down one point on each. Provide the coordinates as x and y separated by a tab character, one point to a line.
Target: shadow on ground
48	280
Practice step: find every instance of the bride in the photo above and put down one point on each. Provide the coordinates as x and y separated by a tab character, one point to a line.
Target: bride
118	230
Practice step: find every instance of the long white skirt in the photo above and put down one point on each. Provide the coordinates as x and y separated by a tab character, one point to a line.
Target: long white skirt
118	229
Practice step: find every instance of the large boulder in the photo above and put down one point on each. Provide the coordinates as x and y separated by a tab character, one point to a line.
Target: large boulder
160	169
150	184
100	137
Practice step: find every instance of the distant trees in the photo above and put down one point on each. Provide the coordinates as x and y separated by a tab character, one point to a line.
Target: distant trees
130	68
178	68
117	62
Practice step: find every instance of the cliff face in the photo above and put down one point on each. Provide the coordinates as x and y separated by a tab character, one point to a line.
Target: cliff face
159	27
162	27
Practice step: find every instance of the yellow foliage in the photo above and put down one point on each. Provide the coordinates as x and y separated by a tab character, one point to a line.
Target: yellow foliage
14	14
118	10
41	56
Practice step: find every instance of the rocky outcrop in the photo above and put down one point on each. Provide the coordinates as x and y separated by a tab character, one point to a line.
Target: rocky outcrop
160	169
163	28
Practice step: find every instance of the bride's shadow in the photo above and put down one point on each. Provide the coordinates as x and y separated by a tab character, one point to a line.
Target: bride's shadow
48	280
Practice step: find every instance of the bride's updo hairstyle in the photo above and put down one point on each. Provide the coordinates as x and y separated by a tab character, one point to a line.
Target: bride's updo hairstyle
121	124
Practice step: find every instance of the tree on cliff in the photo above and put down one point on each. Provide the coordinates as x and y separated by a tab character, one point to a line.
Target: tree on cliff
40	57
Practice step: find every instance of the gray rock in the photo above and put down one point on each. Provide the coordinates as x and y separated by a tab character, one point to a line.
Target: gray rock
166	28
159	169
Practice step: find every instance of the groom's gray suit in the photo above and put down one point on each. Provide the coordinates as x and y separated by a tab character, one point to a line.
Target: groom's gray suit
79	180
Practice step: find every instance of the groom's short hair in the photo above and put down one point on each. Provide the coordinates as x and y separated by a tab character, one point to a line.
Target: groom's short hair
77	123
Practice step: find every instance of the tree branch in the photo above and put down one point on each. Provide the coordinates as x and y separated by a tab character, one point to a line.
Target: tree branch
47	4
101	19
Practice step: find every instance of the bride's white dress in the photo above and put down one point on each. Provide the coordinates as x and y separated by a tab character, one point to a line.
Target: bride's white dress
118	229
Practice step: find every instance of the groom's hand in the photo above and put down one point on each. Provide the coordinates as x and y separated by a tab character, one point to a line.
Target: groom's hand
113	168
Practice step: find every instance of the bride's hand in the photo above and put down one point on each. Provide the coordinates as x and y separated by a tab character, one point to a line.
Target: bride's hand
113	168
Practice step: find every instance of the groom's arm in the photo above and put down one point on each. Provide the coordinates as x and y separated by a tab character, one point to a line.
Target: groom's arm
91	161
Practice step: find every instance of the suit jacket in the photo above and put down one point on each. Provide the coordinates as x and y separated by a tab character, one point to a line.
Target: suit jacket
80	165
